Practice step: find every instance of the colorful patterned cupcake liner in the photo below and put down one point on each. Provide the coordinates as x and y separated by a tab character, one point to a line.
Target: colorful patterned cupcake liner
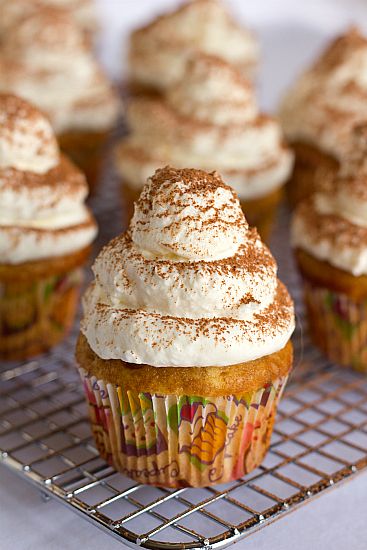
181	440
337	325
36	314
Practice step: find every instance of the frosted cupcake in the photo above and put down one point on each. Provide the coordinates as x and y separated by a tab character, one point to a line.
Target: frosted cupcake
45	233
46	60
330	239
159	51
184	348
322	107
209	120
82	11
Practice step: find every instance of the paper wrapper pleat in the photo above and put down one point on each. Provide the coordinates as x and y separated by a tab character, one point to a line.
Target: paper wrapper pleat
37	314
337	325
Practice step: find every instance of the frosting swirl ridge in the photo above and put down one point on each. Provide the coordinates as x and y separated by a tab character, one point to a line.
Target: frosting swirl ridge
27	141
329	98
46	59
82	11
42	194
210	120
159	51
332	225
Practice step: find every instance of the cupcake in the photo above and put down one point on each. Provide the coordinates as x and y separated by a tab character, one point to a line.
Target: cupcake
184	348
46	59
320	110
45	233
82	11
329	235
209	120
159	51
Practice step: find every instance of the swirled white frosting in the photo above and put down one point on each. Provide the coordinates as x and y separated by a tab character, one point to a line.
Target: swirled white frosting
46	59
209	120
42	194
82	11
330	97
189	284
159	51
27	141
332	226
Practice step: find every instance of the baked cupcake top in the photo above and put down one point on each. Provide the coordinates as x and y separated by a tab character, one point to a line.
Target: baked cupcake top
82	11
159	51
189	284
330	97
42	211
209	119
332	225
45	58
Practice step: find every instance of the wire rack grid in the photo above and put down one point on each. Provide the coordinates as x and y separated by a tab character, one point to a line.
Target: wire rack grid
320	439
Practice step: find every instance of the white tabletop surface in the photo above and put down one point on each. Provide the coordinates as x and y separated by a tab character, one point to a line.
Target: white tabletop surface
291	33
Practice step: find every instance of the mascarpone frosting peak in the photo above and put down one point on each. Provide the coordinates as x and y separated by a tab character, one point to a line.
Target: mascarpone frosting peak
159	51
51	29
167	293
213	91
82	11
328	99
344	58
46	58
332	226
188	215
42	194
27	141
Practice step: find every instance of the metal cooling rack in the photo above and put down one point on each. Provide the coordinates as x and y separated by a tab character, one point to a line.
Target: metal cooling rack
320	439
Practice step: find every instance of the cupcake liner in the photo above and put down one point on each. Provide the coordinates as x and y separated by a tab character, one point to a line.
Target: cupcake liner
181	440
36	314
337	325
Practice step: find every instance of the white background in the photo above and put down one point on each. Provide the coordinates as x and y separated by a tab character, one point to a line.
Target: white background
291	32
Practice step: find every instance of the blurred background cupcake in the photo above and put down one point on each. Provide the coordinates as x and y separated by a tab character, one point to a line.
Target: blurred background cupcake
158	51
46	59
208	120
329	234
184	348
45	233
321	108
83	12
